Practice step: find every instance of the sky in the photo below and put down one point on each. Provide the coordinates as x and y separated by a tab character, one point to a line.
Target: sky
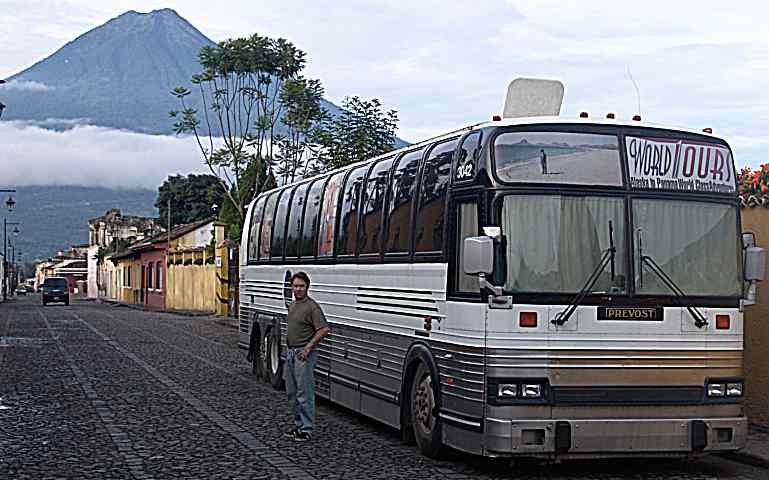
441	64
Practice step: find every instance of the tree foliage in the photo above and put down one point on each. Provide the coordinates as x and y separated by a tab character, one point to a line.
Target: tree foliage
753	182
191	197
303	113
239	87
363	130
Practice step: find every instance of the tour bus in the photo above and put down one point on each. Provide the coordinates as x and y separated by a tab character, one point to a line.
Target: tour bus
540	286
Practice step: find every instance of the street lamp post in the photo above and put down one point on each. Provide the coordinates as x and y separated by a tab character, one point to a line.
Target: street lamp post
5	253
10	204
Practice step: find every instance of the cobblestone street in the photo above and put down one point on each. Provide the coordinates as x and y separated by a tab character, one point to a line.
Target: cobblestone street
97	391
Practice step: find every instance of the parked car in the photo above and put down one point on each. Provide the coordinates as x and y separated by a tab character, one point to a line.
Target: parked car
21	290
55	289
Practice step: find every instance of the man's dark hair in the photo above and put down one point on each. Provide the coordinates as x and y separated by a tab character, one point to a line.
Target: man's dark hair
301	276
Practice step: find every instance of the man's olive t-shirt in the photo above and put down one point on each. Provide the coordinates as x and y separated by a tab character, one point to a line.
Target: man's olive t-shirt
304	319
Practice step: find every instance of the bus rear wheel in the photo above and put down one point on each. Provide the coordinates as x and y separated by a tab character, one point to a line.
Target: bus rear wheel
274	364
424	413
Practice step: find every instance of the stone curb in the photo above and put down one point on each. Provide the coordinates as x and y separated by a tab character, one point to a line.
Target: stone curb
184	313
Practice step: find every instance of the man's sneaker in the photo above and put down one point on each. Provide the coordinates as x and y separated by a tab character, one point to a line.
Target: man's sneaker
302	437
291	434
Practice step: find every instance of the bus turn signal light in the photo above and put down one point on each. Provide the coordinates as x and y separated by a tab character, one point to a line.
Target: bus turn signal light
528	319
722	322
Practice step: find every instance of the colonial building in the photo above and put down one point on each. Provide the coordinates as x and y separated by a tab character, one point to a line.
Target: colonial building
103	236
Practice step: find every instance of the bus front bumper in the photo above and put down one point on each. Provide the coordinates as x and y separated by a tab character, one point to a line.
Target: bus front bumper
580	437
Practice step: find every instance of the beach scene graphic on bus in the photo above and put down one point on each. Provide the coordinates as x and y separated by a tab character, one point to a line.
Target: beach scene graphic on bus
558	157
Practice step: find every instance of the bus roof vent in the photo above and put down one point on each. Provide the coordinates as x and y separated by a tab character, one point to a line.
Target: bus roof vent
533	97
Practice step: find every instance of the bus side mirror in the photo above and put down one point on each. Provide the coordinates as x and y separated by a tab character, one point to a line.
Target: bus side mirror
478	255
755	264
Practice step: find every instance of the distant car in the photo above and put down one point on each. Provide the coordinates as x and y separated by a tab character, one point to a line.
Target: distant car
21	290
55	289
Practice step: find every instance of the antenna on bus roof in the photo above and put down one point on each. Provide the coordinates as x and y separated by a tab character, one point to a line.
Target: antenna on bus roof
533	97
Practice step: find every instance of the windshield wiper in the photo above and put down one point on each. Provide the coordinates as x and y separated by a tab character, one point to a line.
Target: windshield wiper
699	319
607	258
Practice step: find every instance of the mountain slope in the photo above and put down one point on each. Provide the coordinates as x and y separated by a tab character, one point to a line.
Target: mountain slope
54	217
117	75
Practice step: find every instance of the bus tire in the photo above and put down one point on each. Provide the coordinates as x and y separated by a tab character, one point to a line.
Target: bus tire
274	363
424	412
254	350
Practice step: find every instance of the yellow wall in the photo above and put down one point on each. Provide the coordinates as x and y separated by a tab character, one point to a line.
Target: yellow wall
756	220
192	287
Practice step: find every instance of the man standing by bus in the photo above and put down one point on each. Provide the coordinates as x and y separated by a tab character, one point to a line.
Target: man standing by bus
306	327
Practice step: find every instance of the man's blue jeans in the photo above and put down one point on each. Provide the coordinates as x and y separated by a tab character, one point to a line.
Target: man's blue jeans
300	386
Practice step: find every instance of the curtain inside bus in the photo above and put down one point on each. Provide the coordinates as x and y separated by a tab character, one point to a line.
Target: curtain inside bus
555	242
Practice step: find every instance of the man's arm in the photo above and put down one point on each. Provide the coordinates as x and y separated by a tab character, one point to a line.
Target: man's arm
319	334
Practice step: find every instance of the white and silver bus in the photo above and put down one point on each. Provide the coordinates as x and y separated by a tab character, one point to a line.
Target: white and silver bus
543	287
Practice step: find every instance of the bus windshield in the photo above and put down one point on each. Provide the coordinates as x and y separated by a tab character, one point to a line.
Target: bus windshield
555	242
695	243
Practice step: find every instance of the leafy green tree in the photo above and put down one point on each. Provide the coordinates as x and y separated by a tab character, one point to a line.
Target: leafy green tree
191	198
363	130
303	112
239	87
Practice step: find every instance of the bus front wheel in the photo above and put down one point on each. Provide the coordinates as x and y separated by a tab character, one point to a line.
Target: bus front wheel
424	413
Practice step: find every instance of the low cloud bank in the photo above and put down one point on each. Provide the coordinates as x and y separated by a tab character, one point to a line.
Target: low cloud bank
27	86
92	156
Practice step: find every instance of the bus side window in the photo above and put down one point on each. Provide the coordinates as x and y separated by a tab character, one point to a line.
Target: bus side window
266	232
401	196
348	217
279	225
294	228
467	163
253	234
370	231
328	216
429	221
467	226
310	222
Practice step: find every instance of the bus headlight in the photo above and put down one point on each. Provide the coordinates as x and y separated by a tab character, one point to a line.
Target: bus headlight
734	389
531	390
507	390
716	389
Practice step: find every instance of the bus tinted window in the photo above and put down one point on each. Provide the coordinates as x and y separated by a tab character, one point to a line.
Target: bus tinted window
253	234
467	164
371	210
294	228
310	224
279	225
266	230
436	174
328	216
348	227
402	189
558	157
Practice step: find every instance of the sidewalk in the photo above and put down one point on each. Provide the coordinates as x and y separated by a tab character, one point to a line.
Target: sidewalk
756	451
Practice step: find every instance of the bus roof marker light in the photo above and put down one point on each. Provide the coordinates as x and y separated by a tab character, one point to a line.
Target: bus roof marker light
582	114
636	118
707	130
610	116
496	118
